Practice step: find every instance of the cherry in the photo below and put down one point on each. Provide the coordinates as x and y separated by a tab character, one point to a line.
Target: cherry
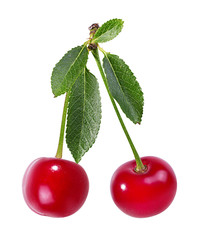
55	187
144	194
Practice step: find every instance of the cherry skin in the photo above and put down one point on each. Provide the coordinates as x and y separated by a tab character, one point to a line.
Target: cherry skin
55	187
144	194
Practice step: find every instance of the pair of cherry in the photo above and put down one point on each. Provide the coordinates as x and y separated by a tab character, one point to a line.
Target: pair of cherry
56	187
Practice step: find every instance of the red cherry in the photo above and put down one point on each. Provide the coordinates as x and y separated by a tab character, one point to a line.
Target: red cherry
144	194
55	187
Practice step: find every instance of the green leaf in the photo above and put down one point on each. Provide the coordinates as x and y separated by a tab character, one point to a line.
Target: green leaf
108	31
124	87
67	70
84	115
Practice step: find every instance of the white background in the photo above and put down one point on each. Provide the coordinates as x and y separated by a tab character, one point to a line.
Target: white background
163	43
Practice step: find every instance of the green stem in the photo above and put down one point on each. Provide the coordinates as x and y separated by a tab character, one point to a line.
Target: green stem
140	167
61	137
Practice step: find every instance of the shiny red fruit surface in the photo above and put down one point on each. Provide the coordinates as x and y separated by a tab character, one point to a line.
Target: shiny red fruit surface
144	194
55	187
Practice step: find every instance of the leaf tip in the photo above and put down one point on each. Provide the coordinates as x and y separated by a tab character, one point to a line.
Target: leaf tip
77	160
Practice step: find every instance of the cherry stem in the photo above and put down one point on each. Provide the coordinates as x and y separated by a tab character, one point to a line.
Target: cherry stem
140	167
61	137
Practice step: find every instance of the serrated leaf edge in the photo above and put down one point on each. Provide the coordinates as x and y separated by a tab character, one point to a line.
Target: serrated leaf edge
106	55
79	159
82	48
95	39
